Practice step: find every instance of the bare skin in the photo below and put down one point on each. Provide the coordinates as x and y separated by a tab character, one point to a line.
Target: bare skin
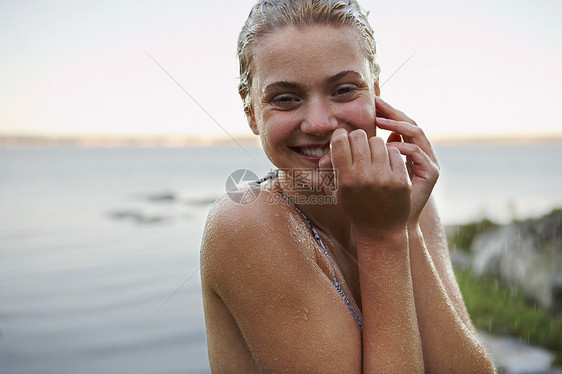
270	304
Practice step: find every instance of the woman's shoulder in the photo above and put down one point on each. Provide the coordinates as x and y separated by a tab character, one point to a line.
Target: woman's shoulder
263	231
248	211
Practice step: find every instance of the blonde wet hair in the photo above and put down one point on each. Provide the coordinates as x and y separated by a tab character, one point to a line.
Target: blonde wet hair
268	16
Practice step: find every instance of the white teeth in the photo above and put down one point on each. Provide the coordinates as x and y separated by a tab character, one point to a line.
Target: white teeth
314	152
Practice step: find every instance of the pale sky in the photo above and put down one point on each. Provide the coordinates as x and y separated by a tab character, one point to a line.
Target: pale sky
80	67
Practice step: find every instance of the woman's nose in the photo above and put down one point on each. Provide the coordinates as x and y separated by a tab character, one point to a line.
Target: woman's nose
318	118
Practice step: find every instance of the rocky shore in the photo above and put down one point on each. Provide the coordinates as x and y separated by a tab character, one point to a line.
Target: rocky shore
525	257
513	356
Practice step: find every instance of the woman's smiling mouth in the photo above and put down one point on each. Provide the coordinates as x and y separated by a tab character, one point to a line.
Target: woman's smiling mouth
316	152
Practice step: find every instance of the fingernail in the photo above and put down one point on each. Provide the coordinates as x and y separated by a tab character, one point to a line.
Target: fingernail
326	161
339	130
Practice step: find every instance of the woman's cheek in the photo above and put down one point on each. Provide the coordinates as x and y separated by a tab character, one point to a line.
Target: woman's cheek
361	115
277	129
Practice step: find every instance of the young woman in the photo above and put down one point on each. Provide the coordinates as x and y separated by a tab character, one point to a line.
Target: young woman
314	277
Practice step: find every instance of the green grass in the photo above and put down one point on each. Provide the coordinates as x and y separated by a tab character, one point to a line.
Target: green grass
500	311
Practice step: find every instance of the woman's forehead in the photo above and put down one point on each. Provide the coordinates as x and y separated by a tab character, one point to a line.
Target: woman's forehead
300	53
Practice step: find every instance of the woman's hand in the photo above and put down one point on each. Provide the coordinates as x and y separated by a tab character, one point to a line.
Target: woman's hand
421	161
372	181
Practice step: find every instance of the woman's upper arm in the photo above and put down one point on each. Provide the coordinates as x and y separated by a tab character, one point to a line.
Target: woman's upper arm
288	311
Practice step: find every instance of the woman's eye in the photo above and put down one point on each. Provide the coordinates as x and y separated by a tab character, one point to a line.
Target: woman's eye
285	100
345	90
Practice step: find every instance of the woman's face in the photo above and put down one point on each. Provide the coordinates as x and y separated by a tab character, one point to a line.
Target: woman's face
306	83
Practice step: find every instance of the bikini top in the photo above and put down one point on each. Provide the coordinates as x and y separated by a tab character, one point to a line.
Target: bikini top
322	247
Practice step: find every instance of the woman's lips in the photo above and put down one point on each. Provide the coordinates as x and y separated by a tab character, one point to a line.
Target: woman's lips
313	152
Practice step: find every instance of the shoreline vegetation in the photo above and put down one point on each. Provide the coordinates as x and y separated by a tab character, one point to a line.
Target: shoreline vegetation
500	309
166	141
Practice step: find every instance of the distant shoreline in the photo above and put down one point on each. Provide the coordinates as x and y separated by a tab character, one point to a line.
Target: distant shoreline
24	141
120	142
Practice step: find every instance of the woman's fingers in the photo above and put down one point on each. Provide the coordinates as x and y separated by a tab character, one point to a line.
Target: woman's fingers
340	150
397	164
379	152
390	118
355	150
355	153
424	176
411	134
386	110
372	180
404	128
424	166
326	161
360	153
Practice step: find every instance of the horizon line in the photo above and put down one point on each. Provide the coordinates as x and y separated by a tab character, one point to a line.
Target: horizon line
121	140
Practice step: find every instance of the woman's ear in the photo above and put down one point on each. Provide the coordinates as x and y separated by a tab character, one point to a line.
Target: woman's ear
251	118
249	111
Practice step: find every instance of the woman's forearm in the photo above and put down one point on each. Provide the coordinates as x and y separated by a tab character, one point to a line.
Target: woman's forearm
391	340
436	244
448	344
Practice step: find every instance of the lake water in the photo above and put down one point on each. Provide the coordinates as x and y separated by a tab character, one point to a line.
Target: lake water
99	248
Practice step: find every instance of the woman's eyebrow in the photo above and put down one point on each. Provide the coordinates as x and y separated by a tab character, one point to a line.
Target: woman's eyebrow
332	79
281	84
344	74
